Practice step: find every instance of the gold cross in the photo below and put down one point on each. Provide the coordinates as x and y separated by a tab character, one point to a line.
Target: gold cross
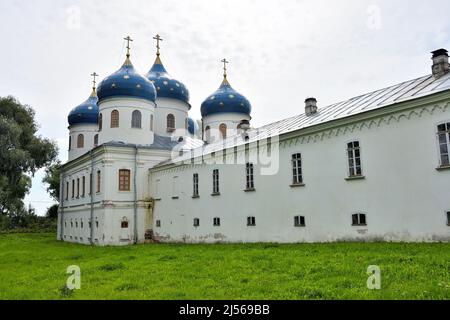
225	62
158	40
94	75
128	39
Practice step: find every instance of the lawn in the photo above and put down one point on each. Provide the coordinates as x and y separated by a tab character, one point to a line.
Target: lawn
33	266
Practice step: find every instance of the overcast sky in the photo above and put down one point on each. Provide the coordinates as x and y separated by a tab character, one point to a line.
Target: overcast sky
280	52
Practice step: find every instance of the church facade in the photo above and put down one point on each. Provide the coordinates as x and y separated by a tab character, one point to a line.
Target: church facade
373	168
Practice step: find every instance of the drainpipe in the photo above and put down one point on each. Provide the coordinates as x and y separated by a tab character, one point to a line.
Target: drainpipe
91	188
135	194
61	204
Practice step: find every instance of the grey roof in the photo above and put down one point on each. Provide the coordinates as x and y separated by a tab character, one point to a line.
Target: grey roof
404	91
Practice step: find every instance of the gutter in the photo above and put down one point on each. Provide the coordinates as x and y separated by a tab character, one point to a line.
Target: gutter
91	189
135	237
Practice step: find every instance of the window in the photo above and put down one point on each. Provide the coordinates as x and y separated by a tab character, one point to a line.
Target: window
99	180
76	224
444	143
251	221
170	123
196	222
96	223
216	222
354	159
78	187
207	133
90	224
83	187
114	119
70	143
71	224
250	183
81	224
124	224
299	221
96	140
359	219
136	119
158	223
216	189
186	123
124	180
91	183
151	122
67	190
100	122
223	130
80	141
195	181
448	218
73	188
297	173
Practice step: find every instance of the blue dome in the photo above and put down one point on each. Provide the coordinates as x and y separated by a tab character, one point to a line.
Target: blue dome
166	86
126	82
85	113
226	99
192	126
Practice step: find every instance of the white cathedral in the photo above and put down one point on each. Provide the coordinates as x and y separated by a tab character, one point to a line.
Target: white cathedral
372	168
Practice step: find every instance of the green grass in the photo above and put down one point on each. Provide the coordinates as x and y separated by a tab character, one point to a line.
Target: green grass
33	266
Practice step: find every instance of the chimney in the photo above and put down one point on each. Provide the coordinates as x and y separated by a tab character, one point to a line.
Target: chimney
310	106
440	63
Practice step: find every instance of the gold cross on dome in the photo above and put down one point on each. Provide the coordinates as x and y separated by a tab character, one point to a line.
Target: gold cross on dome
225	62
128	40
158	40
94	76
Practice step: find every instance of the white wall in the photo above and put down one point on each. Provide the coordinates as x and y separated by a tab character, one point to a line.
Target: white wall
232	120
403	195
166	106
89	131
125	133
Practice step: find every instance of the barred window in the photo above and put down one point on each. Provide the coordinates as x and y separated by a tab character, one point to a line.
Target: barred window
297	174
250	182
354	159
359	219
444	143
195	185
299	221
80	141
216	222
124	180
136	119
251	221
170	123
114	119
216	188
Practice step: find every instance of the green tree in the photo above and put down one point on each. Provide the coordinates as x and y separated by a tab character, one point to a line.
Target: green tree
23	152
51	179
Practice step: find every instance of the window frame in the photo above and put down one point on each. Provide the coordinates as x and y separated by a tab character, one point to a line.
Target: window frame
100	122
170	123
251	221
448	217
99	181
158	223
223	128
96	140
80	141
446	144
356	155
216	222
358	222
195	185
78	188
249	176
297	169
299	221
216	182
124	180
196	222
136	119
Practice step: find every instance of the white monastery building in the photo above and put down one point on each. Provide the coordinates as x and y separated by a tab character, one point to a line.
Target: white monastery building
373	168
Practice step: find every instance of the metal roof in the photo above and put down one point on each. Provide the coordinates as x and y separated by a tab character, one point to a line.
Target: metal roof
401	92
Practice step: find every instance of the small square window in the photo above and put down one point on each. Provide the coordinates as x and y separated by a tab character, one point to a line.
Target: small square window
216	222
196	222
124	224
251	221
359	219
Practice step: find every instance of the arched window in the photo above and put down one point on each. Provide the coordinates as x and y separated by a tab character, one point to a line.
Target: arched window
151	122
100	122
223	130
70	143
186	123
136	119
207	133
80	141
96	140
170	123
114	119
